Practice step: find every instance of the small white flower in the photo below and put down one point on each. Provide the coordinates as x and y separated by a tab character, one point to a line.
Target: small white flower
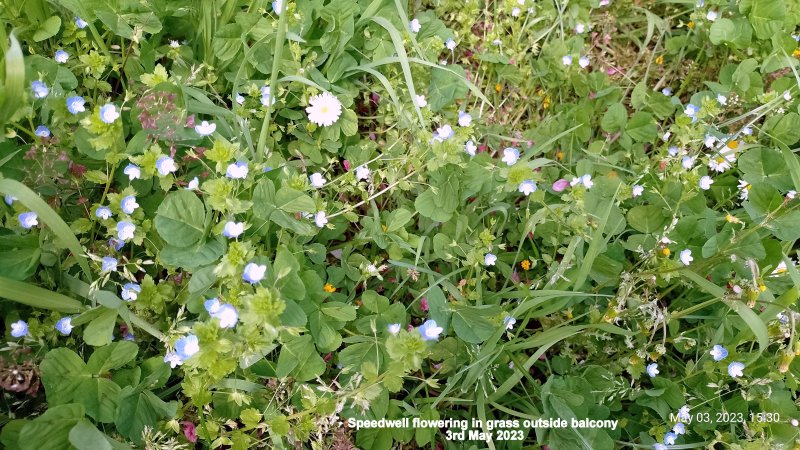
394	328
362	172
125	231
666	136
61	56
527	187
722	99
317	180
566	60
712	15
470	148
237	170
266	96
787	96
165	165
205	128
637	190
320	219
687	162
228	316
686	257
174	44
585	180
709	141
132	171
515	12
706	182
233	229
414	25
489	259
420	101
580	28
450	44
324	109
194	184
239	98
253	273
443	133
583	61
652	370
464	119
736	369
744	189
109	113
510	156
509	322
747	131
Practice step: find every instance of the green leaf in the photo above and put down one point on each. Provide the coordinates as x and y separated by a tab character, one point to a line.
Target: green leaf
728	31
85	436
787	226
471	323
647	218
446	87
425	204
47	29
100	397
13	91
137	410
112	356
201	254
51	430
300	359
641	127
615	118
784	129
348	123
100	329
115	23
339	311
62	372
292	201
438	307
179	219
766	16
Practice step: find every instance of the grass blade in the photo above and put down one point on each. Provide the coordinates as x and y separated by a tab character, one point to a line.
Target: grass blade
31	295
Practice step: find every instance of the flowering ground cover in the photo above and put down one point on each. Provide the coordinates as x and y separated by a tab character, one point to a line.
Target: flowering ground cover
379	224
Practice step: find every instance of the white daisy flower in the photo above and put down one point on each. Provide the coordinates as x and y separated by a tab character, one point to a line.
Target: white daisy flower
324	109
744	189
723	161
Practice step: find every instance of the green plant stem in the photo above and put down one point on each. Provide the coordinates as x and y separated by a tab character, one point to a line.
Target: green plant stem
273	81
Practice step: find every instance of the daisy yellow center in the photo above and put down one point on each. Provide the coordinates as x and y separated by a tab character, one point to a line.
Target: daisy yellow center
748	186
324	109
720	160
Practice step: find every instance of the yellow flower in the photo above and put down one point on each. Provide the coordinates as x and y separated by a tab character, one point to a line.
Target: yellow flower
660	60
690	25
762	288
498	87
525	264
665	251
733	144
559	155
796	53
329	288
546	102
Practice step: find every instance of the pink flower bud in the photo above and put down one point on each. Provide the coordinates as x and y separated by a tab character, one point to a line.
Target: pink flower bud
189	431
423	303
560	185
346	164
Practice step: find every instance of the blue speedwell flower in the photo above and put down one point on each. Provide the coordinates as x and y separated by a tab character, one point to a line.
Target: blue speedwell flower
9	199
510	156
125	231
509	322
430	331
718	352
165	165
489	259
414	26
76	104
652	370
194	184
679	428
394	328
669	438
205	128
253	273
527	187
237	170
128	204
61	56
735	369
42	131
103	212
109	264
132	171
277	6
233	229
227	314
470	148
443	133
28	219
187	346
666	91
691	111
109	113
130	291
80	23
64	325
40	90
115	243
19	329
464	119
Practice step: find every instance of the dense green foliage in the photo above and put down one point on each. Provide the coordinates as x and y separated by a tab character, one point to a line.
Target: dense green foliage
237	224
